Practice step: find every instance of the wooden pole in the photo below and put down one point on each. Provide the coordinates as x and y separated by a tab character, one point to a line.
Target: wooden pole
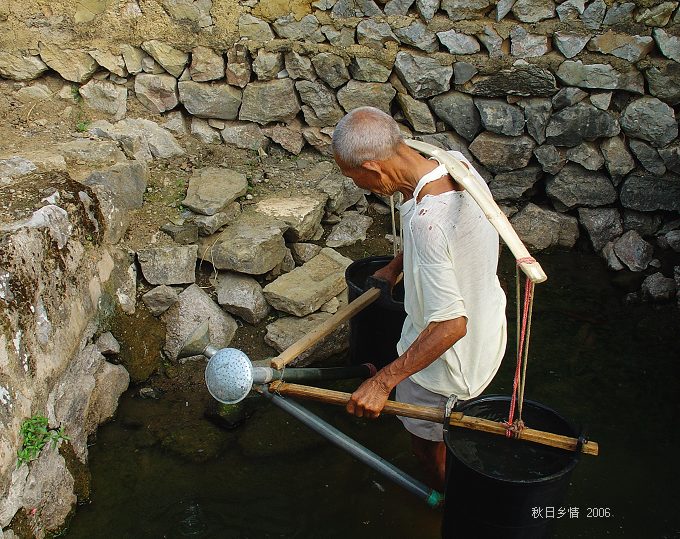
458	419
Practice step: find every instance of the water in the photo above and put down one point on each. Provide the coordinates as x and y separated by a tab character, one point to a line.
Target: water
162	470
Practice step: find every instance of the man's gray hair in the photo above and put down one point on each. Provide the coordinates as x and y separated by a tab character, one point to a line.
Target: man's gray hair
365	134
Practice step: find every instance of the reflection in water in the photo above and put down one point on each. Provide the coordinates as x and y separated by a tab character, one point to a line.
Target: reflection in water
162	470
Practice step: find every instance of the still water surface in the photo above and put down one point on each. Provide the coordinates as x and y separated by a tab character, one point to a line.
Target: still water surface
160	470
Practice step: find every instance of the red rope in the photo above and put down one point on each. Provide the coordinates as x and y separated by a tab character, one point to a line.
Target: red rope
513	429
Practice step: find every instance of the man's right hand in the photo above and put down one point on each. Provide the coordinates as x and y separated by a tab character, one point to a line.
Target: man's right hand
390	273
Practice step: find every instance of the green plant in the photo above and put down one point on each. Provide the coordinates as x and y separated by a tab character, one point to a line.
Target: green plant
82	125
75	93
36	435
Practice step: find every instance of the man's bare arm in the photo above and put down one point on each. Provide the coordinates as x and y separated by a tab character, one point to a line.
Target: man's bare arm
369	399
391	271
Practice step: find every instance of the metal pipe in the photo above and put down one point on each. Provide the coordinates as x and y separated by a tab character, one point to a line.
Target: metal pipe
333	435
264	375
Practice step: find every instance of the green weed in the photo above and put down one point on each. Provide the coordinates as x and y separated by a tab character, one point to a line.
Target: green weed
36	435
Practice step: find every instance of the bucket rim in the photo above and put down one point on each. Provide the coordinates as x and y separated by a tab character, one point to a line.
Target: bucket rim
574	460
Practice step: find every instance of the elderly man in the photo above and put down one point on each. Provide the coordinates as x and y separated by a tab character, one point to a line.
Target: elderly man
454	335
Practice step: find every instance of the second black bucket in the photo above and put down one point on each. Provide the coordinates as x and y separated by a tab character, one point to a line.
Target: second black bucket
375	331
498	487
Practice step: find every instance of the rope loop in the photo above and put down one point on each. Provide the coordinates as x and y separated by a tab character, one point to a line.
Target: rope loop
525	260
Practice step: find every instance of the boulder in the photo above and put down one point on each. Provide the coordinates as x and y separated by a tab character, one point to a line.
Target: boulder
320	140
459	111
570	43
646	224
342	37
159	299
238	69
552	159
575	186
523	80
132	56
650	119
567	97
351	229
158	93
192	13
172	60
306	29
74	65
254	29
125	181
510	186
540	228
493	42
620	12
671	156
321	108
244	135
463	72
298	66
460	10
500	153
304	252
537	112
668	44
192	308
206	65
206	100
587	155
644	191
526	45
301	212
242	296
107	344
182	232
500	117
374	34
95	153
659	288
253	244
458	43
417	35
633	251
139	138
267	65
629	47
355	8
533	10
369	70
359	94
287	330
593	15
658	15
398	7
21	67
417	113
201	130
106	97
601	100
169	264
427	8
603	225
258	97
109	61
175	122
617	158
212	189
601	76
330	68
289	136
573	125
648	156
209	224
423	76
571	10
613	263
306	288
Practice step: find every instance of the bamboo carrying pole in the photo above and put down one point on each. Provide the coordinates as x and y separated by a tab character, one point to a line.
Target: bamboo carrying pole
327	327
493	213
458	419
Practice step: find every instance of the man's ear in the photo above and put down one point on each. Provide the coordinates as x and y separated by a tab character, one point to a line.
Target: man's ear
374	167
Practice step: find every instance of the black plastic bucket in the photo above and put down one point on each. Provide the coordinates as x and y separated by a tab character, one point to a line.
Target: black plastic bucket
503	488
375	331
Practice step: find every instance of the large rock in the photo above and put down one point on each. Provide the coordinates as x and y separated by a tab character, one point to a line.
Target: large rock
571	10
169	264
500	153
663	78
73	65
492	41
427	8
172	60
669	45
193	13
298	66
355	8
575	186
617	158
650	119
159	299
658	15
423	76
671	156
193	307
570	43
206	65
629	47
259	96
106	97
398	7
331	68
321	108
417	113
202	130
158	93
533	10
602	224
573	125
267	65
306	29
109	61
567	97
604	76
301	212
460	10
587	155
541	228
244	135
648	192
458	43
659	288
206	100
369	70
140	139
537	112
500	117
305	289
132	56
351	229
288	136
633	251
20	67
95	153
125	181
648	156
593	15
646	224
287	330
417	35
242	296
510	186
524	80
619	13
459	111
375	34
253	244
342	191
254	29
359	94
526	45
209	224
238	69
212	189
304	252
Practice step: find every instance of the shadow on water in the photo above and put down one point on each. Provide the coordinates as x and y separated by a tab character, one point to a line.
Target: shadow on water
162	470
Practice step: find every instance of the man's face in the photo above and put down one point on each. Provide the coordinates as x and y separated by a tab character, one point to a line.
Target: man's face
372	180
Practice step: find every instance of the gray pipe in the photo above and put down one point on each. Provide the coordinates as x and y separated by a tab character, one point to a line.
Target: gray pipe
380	465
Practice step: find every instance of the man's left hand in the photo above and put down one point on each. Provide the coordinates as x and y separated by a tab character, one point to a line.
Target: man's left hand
369	399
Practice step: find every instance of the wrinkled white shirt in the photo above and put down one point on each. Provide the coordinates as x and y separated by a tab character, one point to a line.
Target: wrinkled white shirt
450	264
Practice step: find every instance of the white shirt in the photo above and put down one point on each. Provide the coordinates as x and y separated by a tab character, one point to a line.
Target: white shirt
450	263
